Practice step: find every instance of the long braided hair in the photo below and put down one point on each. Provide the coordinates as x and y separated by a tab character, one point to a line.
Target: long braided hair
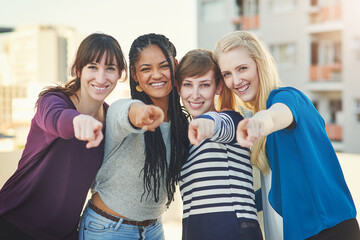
156	166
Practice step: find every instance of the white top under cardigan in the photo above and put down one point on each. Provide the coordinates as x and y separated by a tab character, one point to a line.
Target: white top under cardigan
119	181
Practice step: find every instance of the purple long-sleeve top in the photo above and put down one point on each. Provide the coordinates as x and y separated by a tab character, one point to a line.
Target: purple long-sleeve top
45	196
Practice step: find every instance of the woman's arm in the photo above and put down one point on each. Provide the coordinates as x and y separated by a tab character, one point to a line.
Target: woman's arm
146	117
200	129
57	119
264	122
220	127
87	128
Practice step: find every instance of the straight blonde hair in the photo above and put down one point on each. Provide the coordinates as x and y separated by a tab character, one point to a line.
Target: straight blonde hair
268	78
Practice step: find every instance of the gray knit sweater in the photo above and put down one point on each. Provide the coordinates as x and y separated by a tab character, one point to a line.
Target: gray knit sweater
119	181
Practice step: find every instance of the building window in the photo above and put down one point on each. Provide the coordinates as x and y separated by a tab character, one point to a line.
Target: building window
335	108
247	7
330	52
357	110
212	11
284	54
251	7
248	14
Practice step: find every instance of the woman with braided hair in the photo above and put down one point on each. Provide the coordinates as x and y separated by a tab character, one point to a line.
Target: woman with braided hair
146	146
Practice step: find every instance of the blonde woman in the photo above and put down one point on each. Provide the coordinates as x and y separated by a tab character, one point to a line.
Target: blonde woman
287	134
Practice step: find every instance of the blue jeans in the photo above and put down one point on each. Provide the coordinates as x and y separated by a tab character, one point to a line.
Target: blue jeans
96	227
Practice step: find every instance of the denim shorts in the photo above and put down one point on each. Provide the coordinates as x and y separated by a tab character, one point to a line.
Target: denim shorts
96	227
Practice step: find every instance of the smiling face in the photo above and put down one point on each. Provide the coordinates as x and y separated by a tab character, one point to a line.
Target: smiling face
240	73
197	93
152	72
98	80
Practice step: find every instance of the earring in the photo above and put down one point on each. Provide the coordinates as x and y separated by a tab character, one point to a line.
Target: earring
138	88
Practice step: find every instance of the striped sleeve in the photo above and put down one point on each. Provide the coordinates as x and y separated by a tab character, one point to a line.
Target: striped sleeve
217	176
225	125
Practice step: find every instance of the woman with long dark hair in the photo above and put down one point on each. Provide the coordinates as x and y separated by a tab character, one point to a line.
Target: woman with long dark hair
43	199
146	145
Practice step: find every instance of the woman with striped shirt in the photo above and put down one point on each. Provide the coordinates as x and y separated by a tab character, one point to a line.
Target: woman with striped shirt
216	181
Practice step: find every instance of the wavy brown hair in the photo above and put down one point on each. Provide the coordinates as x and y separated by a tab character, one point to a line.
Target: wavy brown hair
198	62
91	49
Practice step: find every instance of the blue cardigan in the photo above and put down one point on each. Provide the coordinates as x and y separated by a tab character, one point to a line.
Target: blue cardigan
308	187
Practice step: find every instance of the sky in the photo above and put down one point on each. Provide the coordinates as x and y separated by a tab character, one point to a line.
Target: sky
123	19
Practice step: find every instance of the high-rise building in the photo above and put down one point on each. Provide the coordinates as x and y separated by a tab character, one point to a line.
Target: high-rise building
31	57
38	53
316	44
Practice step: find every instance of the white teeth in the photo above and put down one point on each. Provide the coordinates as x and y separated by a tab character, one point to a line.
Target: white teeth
195	104
243	88
157	84
99	88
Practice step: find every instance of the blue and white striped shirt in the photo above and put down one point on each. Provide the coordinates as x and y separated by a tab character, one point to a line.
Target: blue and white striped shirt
217	176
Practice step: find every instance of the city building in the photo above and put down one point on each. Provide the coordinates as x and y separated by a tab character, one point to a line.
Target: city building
38	53
316	44
31	58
